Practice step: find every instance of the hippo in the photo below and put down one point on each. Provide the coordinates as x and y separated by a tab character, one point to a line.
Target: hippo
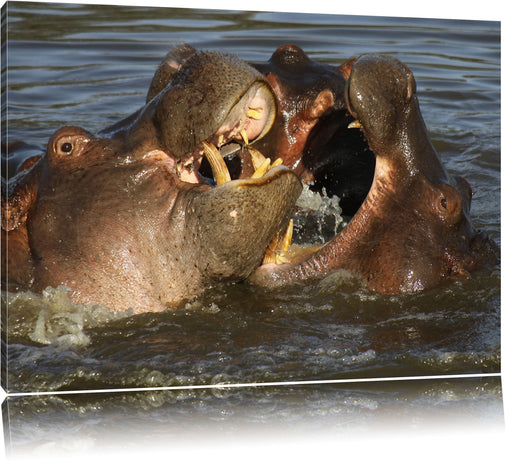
164	233
310	133
412	231
123	218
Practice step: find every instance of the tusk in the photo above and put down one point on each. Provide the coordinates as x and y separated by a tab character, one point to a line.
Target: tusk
276	162
257	157
287	239
219	168
279	246
244	136
355	124
271	253
262	169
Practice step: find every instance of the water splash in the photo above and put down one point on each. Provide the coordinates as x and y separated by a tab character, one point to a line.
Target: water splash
318	217
51	318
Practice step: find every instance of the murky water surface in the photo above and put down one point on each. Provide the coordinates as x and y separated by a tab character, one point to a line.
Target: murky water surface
91	65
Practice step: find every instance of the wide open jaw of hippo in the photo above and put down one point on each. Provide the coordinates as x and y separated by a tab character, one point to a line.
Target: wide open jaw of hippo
123	219
413	229
310	133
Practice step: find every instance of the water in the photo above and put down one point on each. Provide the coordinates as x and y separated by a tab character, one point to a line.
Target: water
64	68
222	424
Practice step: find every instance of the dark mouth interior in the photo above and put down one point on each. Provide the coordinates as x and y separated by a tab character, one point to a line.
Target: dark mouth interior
233	162
339	157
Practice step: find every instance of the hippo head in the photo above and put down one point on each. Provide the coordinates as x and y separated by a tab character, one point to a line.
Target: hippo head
311	131
310	134
429	235
413	229
306	91
127	221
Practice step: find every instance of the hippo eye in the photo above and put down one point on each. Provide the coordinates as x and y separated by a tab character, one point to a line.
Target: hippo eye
66	147
444	203
68	142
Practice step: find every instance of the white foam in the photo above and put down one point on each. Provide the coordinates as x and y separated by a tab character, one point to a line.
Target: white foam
318	217
51	318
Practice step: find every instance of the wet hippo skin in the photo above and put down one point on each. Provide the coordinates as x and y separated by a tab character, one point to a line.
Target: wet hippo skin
310	133
413	230
140	182
123	218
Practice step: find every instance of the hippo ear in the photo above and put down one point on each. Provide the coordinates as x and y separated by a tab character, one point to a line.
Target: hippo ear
168	67
411	86
346	67
28	163
323	102
18	197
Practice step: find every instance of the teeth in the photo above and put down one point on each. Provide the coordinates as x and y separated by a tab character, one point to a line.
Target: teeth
287	239
276	162
219	168
220	171
244	136
254	114
262	169
257	157
265	166
279	246
260	163
355	124
271	253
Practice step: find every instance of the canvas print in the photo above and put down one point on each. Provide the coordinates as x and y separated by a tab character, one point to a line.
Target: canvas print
200	197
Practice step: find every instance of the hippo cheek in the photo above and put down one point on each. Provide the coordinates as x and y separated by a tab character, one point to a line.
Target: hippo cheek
462	249
233	224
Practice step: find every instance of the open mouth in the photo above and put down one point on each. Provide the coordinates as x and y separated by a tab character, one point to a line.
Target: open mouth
248	120
264	170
